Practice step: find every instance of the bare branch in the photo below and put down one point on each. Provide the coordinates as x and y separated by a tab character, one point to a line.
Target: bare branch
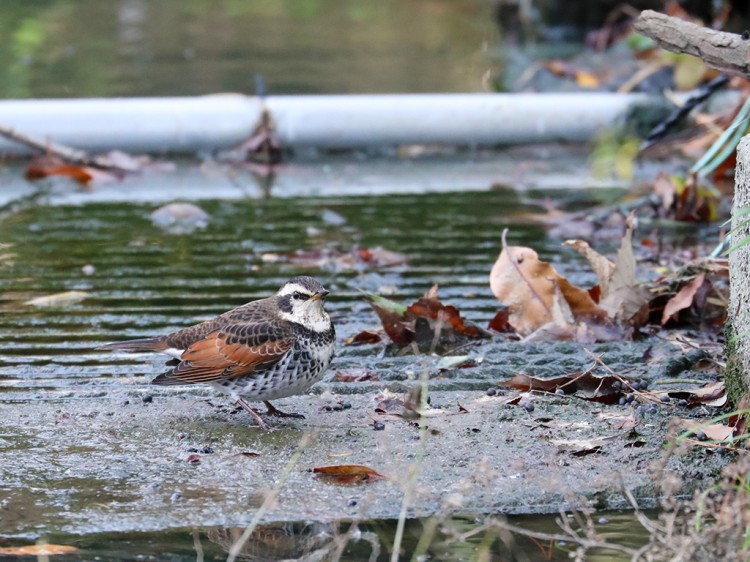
727	52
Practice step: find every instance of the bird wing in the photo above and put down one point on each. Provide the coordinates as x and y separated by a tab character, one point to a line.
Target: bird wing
230	352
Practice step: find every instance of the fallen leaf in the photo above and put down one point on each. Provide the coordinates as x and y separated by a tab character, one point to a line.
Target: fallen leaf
500	323
607	389
683	299
601	265
461	409
348	474
38	550
423	320
713	394
626	299
454	362
355	375
249	454
536	294
58	298
581	447
714	431
390	406
363	337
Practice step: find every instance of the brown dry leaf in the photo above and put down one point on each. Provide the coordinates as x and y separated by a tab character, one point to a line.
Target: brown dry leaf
348	474
665	191
626	300
322	258
364	337
381	257
683	299
499	322
586	79
430	307
715	431
601	265
583	385
423	320
249	454
38	550
532	289
355	375
713	394
580	447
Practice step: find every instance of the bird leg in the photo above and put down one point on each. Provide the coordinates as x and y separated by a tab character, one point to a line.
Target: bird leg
245	406
272	410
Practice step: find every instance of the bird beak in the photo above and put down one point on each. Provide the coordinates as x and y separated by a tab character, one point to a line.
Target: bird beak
320	295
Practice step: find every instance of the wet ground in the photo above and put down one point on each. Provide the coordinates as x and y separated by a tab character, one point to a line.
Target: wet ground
89	447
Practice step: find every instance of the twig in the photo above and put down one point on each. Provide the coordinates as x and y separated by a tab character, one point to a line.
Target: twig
67	153
718	49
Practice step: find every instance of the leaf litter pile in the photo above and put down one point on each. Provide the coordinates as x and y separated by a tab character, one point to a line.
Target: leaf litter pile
538	304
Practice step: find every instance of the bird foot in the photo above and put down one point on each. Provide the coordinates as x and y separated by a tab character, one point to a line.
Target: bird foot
272	410
245	406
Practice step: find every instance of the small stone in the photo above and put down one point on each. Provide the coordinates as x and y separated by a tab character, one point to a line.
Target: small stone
207	450
378	426
327	409
603	521
338	408
560	392
622	401
194	459
192	450
88	269
643	384
147	399
346	405
635	386
630	397
682	403
126	402
528	406
617	385
640	410
665	398
491	392
351	503
652	408
177	496
180	218
700	436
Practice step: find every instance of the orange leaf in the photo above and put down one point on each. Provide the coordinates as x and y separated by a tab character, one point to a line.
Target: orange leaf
348	474
38	550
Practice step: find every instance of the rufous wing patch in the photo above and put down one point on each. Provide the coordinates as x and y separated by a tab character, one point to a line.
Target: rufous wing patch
214	357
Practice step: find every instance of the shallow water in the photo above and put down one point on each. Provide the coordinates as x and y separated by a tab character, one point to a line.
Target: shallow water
318	541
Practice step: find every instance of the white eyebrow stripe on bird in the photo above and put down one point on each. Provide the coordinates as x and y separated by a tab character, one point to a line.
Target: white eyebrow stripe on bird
291	288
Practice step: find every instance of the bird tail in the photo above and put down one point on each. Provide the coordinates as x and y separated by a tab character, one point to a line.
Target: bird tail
144	344
166	380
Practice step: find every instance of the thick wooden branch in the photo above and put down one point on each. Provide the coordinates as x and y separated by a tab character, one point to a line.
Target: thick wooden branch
727	52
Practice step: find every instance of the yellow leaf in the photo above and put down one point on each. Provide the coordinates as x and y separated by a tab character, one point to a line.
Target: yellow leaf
586	79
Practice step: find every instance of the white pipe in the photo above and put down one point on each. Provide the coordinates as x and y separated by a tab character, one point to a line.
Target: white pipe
335	121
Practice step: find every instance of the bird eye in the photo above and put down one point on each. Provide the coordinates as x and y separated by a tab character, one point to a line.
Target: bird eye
299	296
